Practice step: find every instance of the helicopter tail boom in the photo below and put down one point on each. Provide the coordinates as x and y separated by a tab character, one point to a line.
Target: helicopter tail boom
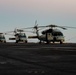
12	39
32	37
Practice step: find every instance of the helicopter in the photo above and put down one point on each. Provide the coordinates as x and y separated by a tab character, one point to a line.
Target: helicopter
49	35
19	35
2	38
52	34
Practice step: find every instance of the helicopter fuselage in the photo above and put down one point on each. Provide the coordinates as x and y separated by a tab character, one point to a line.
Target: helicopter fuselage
20	37
52	36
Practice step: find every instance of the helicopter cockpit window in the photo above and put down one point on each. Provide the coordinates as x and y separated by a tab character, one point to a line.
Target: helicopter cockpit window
22	35
57	34
2	37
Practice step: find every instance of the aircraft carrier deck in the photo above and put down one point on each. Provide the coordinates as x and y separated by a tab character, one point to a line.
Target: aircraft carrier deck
37	59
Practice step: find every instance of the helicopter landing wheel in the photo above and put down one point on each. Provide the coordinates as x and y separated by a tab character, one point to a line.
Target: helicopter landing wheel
40	42
47	42
4	41
61	42
17	41
25	41
53	41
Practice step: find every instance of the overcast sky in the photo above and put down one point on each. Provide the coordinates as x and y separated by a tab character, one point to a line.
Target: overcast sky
23	13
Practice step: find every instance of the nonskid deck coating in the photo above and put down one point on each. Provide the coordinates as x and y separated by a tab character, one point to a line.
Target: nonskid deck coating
32	58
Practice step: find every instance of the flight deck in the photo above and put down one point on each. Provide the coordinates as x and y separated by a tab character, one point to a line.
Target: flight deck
37	59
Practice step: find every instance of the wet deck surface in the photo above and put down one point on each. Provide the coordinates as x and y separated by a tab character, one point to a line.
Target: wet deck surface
37	59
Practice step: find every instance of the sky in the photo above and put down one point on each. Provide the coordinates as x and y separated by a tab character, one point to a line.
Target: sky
23	13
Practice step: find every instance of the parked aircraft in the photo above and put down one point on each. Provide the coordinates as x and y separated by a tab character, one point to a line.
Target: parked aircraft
2	38
19	35
52	34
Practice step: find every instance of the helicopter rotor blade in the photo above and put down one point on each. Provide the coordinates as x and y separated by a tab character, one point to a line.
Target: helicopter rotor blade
20	30
6	33
70	27
52	26
65	27
27	28
62	27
